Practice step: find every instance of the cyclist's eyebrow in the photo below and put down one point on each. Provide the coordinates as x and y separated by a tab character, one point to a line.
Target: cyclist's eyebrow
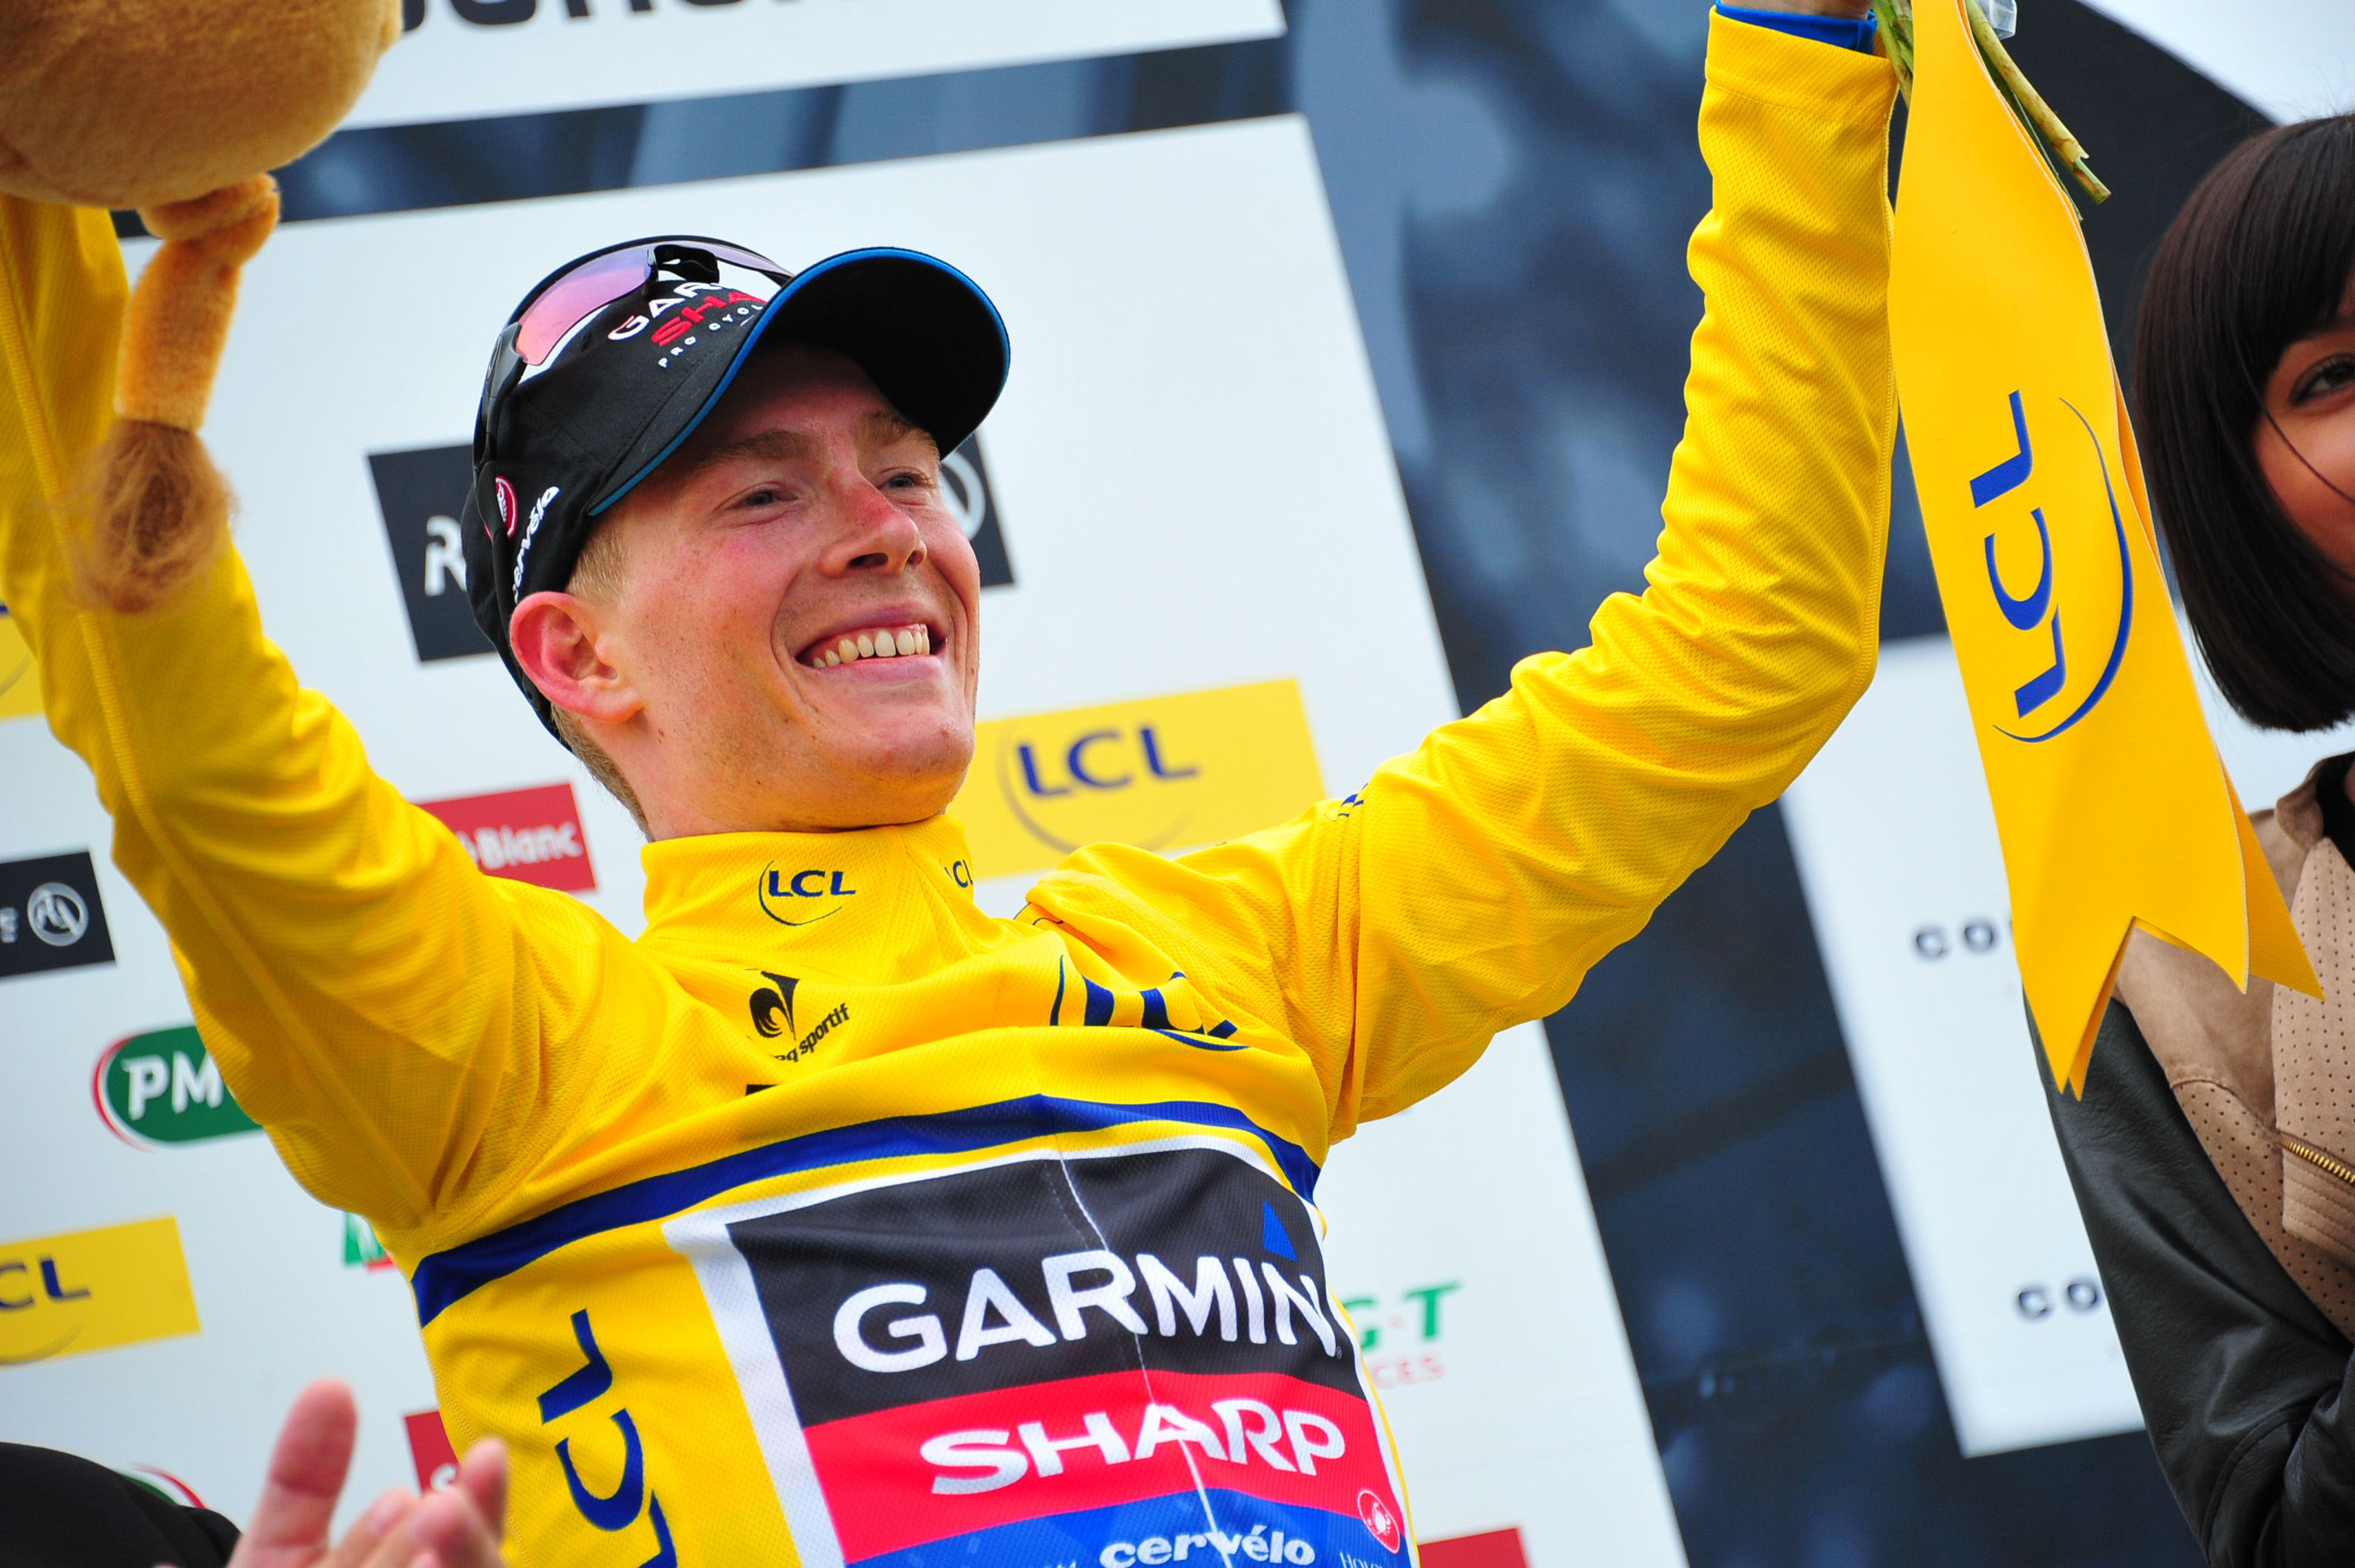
889	424
781	445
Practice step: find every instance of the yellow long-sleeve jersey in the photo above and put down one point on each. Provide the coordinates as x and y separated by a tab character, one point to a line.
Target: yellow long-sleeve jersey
834	1221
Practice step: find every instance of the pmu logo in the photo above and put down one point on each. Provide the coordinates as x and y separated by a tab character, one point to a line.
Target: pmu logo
2036	609
162	1087
50	916
804	897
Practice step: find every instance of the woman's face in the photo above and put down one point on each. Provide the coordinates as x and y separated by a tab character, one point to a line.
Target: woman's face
2307	447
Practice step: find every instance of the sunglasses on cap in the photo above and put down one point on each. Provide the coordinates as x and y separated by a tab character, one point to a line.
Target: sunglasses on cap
578	290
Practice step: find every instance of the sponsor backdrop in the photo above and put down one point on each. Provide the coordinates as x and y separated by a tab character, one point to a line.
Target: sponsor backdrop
1349	337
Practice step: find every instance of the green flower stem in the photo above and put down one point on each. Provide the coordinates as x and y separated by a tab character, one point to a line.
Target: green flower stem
2033	111
2061	150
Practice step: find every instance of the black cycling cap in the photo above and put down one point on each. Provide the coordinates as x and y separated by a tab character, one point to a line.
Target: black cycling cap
614	359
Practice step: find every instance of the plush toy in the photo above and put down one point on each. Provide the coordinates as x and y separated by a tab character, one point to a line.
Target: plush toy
176	108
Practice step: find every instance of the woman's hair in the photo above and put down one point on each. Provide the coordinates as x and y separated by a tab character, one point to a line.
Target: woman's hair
2258	258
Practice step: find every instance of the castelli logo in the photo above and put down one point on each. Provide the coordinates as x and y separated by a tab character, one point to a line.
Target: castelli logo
1378	1518
510	509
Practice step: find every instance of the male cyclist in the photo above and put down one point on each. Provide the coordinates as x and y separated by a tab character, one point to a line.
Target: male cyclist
833	1220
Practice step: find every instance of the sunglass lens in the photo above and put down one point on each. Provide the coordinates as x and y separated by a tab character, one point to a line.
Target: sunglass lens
598	282
576	297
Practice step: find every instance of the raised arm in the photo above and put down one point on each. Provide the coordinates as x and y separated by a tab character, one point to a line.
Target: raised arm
1471	885
352	973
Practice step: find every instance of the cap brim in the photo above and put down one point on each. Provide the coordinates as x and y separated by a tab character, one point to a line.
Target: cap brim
924	333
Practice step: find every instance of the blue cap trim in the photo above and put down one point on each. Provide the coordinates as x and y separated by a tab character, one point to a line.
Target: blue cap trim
767	314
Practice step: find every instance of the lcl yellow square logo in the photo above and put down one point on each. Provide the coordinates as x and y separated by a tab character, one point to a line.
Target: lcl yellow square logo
1167	772
90	1290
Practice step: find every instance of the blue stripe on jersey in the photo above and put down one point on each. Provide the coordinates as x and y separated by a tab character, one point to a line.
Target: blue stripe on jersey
445	1277
1112	1535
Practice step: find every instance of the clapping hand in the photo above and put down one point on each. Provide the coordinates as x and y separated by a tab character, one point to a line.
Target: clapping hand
291	1525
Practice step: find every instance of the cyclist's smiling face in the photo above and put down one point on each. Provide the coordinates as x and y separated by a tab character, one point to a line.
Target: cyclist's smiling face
791	643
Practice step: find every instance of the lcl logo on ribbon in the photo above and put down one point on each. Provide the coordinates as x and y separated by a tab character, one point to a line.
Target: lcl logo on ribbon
2036	607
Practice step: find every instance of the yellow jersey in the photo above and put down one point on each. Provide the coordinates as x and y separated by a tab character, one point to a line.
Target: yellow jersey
834	1221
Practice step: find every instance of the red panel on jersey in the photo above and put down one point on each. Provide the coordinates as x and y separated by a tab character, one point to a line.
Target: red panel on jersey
915	1473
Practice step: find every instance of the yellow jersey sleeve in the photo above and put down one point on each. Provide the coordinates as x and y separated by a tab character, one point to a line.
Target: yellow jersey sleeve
1471	885
372	1000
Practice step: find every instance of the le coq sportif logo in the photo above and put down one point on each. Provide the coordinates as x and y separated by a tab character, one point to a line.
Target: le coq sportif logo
422	493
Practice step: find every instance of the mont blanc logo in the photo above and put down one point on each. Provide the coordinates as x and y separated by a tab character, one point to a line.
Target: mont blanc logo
422	495
529	835
50	917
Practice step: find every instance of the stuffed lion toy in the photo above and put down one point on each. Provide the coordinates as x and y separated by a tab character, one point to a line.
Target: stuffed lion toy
176	108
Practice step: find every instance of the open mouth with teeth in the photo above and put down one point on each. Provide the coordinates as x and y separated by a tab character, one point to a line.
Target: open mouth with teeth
869	643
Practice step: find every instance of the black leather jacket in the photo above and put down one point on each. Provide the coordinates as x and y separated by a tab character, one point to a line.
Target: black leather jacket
2247	1388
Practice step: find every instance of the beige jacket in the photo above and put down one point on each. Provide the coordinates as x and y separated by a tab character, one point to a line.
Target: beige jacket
2267	1079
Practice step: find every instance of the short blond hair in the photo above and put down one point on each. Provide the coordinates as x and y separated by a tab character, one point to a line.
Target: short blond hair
597	577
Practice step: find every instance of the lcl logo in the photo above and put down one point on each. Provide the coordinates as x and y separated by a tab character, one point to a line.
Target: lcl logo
802	898
1048	784
1192	767
1100	760
2036	609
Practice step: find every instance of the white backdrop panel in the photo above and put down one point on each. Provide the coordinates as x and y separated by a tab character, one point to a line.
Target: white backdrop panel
1896	844
2292	59
1196	491
470	58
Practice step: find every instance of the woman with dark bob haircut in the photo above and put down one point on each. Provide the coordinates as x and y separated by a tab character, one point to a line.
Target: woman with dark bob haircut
2213	1153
